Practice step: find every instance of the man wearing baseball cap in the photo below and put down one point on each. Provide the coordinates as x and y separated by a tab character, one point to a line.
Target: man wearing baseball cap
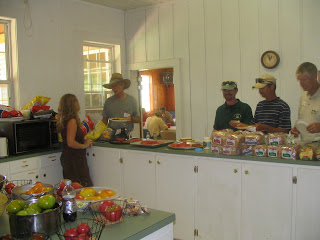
272	114
233	110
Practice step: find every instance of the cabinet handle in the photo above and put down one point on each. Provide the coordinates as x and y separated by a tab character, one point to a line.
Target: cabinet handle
53	160
52	157
246	172
121	160
37	176
150	161
31	173
25	165
87	154
44	175
235	170
24	161
158	162
93	154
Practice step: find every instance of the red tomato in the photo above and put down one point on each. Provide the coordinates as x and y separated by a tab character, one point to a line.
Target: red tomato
70	234
113	213
83	228
9	187
84	236
148	142
104	205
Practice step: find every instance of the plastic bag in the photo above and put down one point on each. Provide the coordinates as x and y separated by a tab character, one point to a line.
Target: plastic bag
37	100
87	125
8	112
97	131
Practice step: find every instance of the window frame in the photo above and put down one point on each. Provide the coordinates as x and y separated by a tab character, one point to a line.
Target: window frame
8	57
105	92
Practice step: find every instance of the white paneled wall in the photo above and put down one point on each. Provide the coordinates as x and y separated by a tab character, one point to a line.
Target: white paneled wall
218	40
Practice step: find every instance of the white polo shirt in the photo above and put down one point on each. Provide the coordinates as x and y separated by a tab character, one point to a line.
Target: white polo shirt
309	108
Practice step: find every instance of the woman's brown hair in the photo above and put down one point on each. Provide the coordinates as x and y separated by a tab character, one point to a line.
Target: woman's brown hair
68	109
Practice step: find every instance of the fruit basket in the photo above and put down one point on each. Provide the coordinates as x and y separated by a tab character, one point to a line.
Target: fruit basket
108	212
9	185
21	192
81	228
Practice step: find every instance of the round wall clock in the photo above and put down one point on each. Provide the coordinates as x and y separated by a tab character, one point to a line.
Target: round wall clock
270	59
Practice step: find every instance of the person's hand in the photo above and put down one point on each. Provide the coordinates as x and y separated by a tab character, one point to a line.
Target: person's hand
295	131
87	143
313	128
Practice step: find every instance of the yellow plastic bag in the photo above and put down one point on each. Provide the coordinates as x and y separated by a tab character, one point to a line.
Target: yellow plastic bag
97	131
37	100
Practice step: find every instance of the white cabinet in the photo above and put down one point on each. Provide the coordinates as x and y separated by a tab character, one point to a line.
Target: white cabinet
244	201
50	168
4	170
308	207
26	169
139	179
219	199
175	191
105	167
266	204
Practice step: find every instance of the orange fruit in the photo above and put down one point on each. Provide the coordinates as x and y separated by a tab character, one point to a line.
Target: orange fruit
88	192
39	189
93	198
104	193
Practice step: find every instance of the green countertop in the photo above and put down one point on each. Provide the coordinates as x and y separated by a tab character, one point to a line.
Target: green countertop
203	153
132	228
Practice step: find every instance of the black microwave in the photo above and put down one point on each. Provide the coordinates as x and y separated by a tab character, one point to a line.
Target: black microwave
29	135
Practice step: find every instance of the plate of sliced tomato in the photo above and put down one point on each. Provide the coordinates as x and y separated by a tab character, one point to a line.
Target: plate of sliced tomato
185	145
125	141
152	143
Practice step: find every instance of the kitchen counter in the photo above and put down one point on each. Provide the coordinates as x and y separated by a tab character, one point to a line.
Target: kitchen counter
132	228
207	153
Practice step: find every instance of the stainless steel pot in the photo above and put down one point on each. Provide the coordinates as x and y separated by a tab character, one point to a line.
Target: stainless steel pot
46	222
18	193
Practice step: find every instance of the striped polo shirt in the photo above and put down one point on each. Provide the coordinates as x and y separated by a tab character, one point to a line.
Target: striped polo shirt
275	113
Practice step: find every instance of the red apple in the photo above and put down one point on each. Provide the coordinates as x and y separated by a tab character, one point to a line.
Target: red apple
9	187
76	185
70	234
104	205
83	228
113	213
62	184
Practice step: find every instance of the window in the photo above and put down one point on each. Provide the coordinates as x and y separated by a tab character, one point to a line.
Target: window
145	93
5	62
98	64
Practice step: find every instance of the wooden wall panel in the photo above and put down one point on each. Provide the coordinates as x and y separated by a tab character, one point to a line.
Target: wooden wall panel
152	34
166	31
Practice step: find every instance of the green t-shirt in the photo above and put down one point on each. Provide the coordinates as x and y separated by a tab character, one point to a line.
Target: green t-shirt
239	111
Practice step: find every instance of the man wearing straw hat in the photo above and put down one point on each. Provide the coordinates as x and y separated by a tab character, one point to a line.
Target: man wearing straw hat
121	104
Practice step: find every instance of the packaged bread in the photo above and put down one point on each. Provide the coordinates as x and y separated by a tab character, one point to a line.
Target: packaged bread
216	148
307	152
276	139
289	152
246	150
230	150
253	139
219	137
260	150
235	139
274	151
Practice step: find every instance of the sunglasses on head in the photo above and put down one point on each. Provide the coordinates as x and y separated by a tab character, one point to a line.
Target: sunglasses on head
228	83
261	80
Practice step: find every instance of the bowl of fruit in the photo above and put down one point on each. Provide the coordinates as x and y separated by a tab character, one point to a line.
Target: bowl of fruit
81	228
14	183
26	218
31	192
108	211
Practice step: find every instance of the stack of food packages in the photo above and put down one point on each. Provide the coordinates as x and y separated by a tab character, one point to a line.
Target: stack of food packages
258	144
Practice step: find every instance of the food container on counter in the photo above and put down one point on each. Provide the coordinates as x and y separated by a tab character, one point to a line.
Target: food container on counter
22	226
19	193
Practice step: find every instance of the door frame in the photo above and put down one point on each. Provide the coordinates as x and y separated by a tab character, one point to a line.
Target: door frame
132	70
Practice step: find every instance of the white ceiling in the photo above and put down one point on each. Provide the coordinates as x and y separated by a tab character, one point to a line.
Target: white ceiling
126	4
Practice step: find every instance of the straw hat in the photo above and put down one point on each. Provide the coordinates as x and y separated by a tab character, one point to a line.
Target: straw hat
116	78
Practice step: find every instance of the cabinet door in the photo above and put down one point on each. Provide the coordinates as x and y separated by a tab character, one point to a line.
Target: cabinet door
308	207
266	202
4	170
175	191
105	167
139	176
50	168
219	199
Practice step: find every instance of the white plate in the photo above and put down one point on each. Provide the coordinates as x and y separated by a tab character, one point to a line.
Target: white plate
13	119
116	194
116	120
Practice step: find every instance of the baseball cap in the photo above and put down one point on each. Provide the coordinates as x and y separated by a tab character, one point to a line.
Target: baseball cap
228	85
266	79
